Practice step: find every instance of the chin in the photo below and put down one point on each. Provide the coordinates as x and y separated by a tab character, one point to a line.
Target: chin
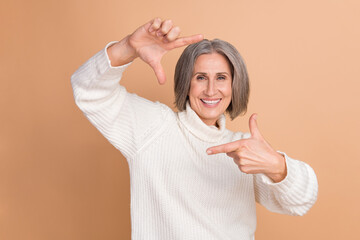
210	116
209	109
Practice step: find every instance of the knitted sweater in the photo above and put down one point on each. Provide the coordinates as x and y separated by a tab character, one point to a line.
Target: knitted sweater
177	190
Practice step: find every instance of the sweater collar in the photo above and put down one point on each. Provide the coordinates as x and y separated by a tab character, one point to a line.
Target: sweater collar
191	121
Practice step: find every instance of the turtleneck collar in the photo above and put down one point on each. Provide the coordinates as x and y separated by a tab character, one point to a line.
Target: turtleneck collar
191	121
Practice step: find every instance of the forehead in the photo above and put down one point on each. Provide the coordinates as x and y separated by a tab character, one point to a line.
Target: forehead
212	62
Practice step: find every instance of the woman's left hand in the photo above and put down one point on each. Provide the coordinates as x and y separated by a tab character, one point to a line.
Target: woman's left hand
254	155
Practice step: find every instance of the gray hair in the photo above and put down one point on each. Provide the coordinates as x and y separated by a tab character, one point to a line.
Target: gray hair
240	80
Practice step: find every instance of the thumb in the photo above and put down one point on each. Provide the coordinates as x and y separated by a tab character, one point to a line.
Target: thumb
159	72
254	130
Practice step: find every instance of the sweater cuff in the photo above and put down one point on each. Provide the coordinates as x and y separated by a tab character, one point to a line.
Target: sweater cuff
103	64
286	184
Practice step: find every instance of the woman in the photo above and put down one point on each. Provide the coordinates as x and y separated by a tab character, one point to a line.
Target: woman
183	186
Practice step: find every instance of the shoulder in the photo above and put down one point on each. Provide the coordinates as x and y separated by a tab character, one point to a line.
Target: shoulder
167	111
144	115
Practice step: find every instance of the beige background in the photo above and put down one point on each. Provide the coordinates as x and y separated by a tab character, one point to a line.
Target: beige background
60	179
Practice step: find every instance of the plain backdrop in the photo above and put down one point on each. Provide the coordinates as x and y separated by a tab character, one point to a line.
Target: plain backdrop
60	179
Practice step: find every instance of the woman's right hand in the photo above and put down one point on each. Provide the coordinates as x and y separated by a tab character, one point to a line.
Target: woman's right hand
150	42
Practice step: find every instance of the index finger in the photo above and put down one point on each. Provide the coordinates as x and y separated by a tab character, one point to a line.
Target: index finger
224	148
183	41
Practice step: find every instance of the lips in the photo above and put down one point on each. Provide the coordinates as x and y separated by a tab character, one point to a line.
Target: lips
211	101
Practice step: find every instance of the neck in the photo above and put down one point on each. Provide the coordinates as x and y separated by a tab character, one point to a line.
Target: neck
211	132
210	122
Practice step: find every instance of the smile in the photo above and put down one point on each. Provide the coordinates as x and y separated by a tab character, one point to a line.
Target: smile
211	102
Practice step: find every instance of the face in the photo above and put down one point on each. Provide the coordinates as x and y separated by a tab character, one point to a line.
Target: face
210	87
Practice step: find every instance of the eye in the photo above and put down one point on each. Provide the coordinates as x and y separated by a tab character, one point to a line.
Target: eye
200	77
221	77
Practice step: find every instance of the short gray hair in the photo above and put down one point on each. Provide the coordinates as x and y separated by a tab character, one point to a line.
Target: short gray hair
240	80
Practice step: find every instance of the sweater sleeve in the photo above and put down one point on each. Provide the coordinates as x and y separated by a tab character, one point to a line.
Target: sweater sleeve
126	120
294	195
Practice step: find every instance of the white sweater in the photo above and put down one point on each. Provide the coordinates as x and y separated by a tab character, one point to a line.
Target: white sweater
177	190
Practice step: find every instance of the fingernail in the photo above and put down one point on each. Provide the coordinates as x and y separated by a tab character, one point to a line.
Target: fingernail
208	152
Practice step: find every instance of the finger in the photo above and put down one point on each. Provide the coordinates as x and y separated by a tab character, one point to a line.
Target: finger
239	153
165	28
249	169
231	154
246	166
225	148
254	130
245	162
245	169
155	25
173	34
159	72
180	42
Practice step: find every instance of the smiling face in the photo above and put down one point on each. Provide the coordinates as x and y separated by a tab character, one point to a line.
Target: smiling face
210	87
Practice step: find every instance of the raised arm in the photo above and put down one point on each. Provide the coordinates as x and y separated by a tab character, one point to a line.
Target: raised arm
125	119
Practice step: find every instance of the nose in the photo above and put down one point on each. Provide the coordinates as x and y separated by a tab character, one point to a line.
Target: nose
210	88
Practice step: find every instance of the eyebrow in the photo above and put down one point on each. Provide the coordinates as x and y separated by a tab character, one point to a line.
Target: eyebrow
219	73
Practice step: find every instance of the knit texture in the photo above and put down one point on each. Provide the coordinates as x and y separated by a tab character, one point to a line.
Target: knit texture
177	190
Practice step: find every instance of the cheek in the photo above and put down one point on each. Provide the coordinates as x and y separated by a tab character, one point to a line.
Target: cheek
195	90
227	90
230	92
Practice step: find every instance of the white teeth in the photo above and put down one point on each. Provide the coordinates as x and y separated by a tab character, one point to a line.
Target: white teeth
211	101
